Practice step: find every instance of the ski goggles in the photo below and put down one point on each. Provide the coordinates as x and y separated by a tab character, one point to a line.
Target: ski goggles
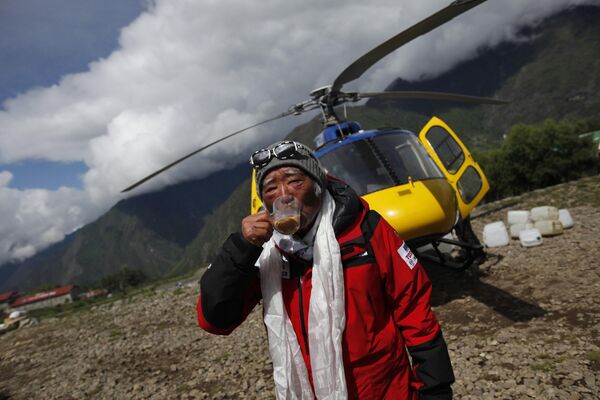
283	151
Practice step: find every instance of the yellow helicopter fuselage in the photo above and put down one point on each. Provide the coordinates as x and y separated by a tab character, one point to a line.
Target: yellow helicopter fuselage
416	209
421	184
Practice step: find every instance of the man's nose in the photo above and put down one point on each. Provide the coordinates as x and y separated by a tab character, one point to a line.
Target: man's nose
282	190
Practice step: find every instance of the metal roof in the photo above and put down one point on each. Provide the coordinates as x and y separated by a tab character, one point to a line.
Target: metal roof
34	298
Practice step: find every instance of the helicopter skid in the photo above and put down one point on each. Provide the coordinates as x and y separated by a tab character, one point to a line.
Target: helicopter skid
463	256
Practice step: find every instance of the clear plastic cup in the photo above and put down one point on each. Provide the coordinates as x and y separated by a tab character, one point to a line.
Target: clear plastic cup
286	214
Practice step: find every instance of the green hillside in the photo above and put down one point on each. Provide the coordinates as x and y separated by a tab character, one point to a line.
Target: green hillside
225	220
562	81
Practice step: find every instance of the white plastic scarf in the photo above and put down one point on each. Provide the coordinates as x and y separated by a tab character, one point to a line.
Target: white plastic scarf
326	319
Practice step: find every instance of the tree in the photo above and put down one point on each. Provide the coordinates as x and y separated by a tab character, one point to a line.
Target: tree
126	278
536	156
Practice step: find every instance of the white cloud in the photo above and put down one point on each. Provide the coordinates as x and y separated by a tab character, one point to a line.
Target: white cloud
188	72
5	178
34	218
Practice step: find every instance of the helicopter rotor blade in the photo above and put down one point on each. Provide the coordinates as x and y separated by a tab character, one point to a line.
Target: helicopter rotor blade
163	169
432	96
358	67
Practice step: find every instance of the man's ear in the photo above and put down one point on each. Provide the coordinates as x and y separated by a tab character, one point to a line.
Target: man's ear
318	190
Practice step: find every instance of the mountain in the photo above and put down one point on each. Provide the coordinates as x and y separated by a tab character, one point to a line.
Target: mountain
147	232
555	73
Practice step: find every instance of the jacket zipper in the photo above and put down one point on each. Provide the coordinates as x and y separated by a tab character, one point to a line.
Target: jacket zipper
301	306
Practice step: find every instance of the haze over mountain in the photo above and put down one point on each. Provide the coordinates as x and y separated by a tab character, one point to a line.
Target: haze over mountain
148	232
552	72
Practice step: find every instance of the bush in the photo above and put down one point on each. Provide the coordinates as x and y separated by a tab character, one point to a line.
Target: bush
536	156
123	279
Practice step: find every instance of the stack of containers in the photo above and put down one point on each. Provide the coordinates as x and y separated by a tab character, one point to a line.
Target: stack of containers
546	220
528	226
522	228
519	220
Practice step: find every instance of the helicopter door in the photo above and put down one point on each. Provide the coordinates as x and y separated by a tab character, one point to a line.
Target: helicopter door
456	162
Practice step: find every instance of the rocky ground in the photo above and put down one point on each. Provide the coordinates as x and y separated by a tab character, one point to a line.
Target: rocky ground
526	327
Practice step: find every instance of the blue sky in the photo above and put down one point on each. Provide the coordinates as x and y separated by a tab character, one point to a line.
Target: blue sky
40	42
96	94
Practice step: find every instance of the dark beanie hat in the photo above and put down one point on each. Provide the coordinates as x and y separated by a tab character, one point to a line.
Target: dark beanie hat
304	159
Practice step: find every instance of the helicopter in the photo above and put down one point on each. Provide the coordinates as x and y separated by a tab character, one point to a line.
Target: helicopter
425	185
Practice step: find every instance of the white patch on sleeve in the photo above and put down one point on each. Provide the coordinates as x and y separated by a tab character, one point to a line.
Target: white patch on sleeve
407	255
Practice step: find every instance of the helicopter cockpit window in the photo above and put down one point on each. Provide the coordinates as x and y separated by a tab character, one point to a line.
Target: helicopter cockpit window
407	157
383	161
357	165
446	148
469	184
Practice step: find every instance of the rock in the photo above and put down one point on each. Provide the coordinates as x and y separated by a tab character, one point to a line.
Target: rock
260	385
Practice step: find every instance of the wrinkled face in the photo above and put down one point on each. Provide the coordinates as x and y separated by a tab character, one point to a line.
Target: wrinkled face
293	181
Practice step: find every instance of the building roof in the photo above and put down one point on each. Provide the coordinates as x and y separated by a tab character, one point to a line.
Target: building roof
7	296
34	298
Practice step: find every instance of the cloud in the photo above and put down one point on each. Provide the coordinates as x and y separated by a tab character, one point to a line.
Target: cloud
32	219
5	178
188	72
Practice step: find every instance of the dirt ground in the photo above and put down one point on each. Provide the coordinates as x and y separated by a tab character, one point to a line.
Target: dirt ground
525	327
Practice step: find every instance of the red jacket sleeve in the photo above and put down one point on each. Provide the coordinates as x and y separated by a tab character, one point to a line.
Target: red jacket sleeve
230	287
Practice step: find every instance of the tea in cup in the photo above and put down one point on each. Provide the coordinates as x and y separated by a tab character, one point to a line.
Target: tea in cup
286	215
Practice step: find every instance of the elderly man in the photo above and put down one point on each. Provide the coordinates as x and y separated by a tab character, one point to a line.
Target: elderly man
344	297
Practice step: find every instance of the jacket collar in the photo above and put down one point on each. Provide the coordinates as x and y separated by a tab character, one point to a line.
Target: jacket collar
348	206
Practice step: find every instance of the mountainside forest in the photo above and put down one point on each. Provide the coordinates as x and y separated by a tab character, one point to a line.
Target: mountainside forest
555	74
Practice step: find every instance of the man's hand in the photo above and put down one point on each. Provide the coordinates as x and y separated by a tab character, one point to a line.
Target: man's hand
257	228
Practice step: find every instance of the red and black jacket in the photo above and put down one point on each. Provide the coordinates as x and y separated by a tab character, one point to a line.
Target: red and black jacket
387	305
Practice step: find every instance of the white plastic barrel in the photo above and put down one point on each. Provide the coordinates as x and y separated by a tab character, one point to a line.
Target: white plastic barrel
564	216
549	228
515	229
495	234
530	237
545	213
518	217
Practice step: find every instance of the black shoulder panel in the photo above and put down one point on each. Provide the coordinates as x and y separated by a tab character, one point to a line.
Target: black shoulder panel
369	224
347	204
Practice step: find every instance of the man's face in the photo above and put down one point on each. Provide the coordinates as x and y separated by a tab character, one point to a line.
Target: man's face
292	181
